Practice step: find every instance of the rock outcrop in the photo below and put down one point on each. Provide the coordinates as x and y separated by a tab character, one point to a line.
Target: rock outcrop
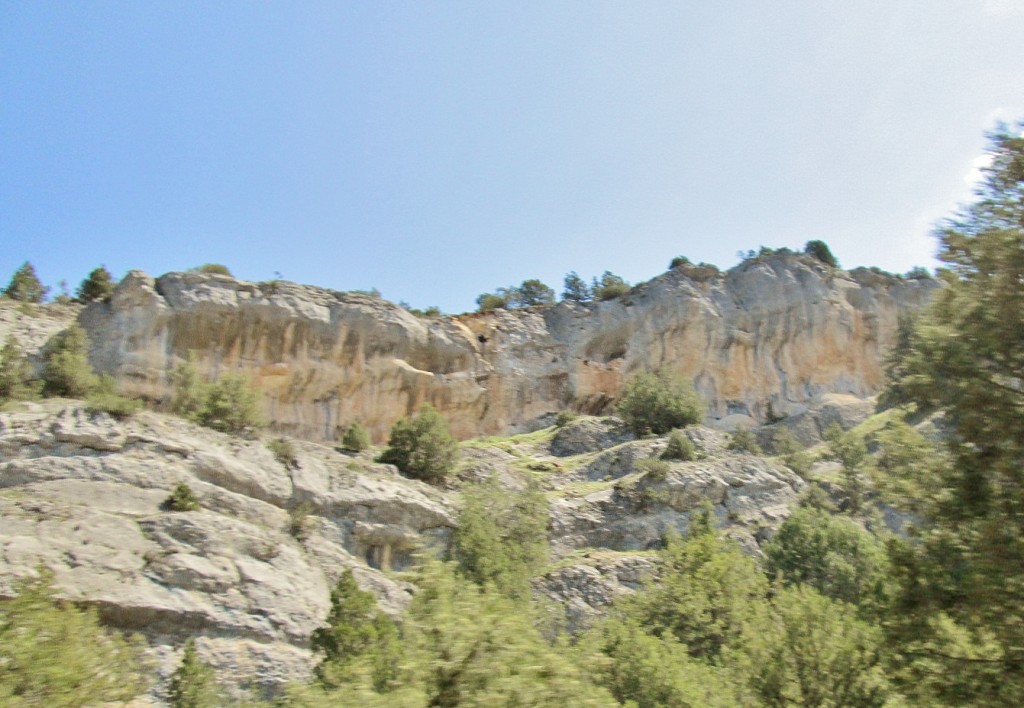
84	495
782	328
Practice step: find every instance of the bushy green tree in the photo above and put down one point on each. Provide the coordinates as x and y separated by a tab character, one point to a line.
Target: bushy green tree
502	537
212	269
189	389
232	404
832	554
25	285
54	654
98	286
792	452
804	649
821	251
15	371
193	684
744	440
67	371
105	398
575	289
658	402
958	617
422	447
356	439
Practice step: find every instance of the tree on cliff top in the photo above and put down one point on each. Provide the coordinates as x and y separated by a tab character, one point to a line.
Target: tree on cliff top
25	285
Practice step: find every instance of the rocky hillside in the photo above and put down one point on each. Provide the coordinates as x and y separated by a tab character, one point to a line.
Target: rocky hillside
248	574
782	328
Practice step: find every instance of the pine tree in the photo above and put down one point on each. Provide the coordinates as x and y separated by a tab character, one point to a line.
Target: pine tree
25	285
193	684
98	286
576	289
15	370
356	439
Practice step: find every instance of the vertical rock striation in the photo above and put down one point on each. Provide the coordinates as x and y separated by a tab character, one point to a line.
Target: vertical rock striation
782	328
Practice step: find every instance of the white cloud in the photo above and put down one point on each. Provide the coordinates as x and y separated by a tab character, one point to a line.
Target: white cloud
974	173
1003	8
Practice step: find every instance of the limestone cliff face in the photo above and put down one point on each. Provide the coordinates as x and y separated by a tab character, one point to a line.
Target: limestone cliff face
782	328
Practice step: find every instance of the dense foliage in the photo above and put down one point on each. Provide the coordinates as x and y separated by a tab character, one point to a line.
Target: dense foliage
99	285
193	684
355	439
231	404
54	654
958	617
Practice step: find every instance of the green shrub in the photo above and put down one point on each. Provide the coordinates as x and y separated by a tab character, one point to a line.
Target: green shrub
744	440
182	498
66	371
212	269
422	447
356	439
98	286
106	399
678	261
189	389
792	452
821	251
25	285
653	469
284	451
15	371
679	447
657	403
564	418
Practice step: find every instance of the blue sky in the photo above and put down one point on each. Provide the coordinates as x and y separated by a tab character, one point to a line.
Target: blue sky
437	150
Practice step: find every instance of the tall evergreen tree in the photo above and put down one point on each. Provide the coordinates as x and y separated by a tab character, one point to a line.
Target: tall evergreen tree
959	620
25	285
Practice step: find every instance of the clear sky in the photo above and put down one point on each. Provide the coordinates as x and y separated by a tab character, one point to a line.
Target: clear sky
438	150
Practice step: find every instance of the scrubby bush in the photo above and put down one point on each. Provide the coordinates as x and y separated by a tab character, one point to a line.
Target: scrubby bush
679	447
609	287
564	418
656	403
821	251
105	398
653	469
422	447
182	498
785	444
678	261
744	440
490	301
98	286
25	285
284	451
356	439
298	520
15	371
230	404
67	371
212	269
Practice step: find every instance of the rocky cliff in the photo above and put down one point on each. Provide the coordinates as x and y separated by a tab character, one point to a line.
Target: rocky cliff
782	328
